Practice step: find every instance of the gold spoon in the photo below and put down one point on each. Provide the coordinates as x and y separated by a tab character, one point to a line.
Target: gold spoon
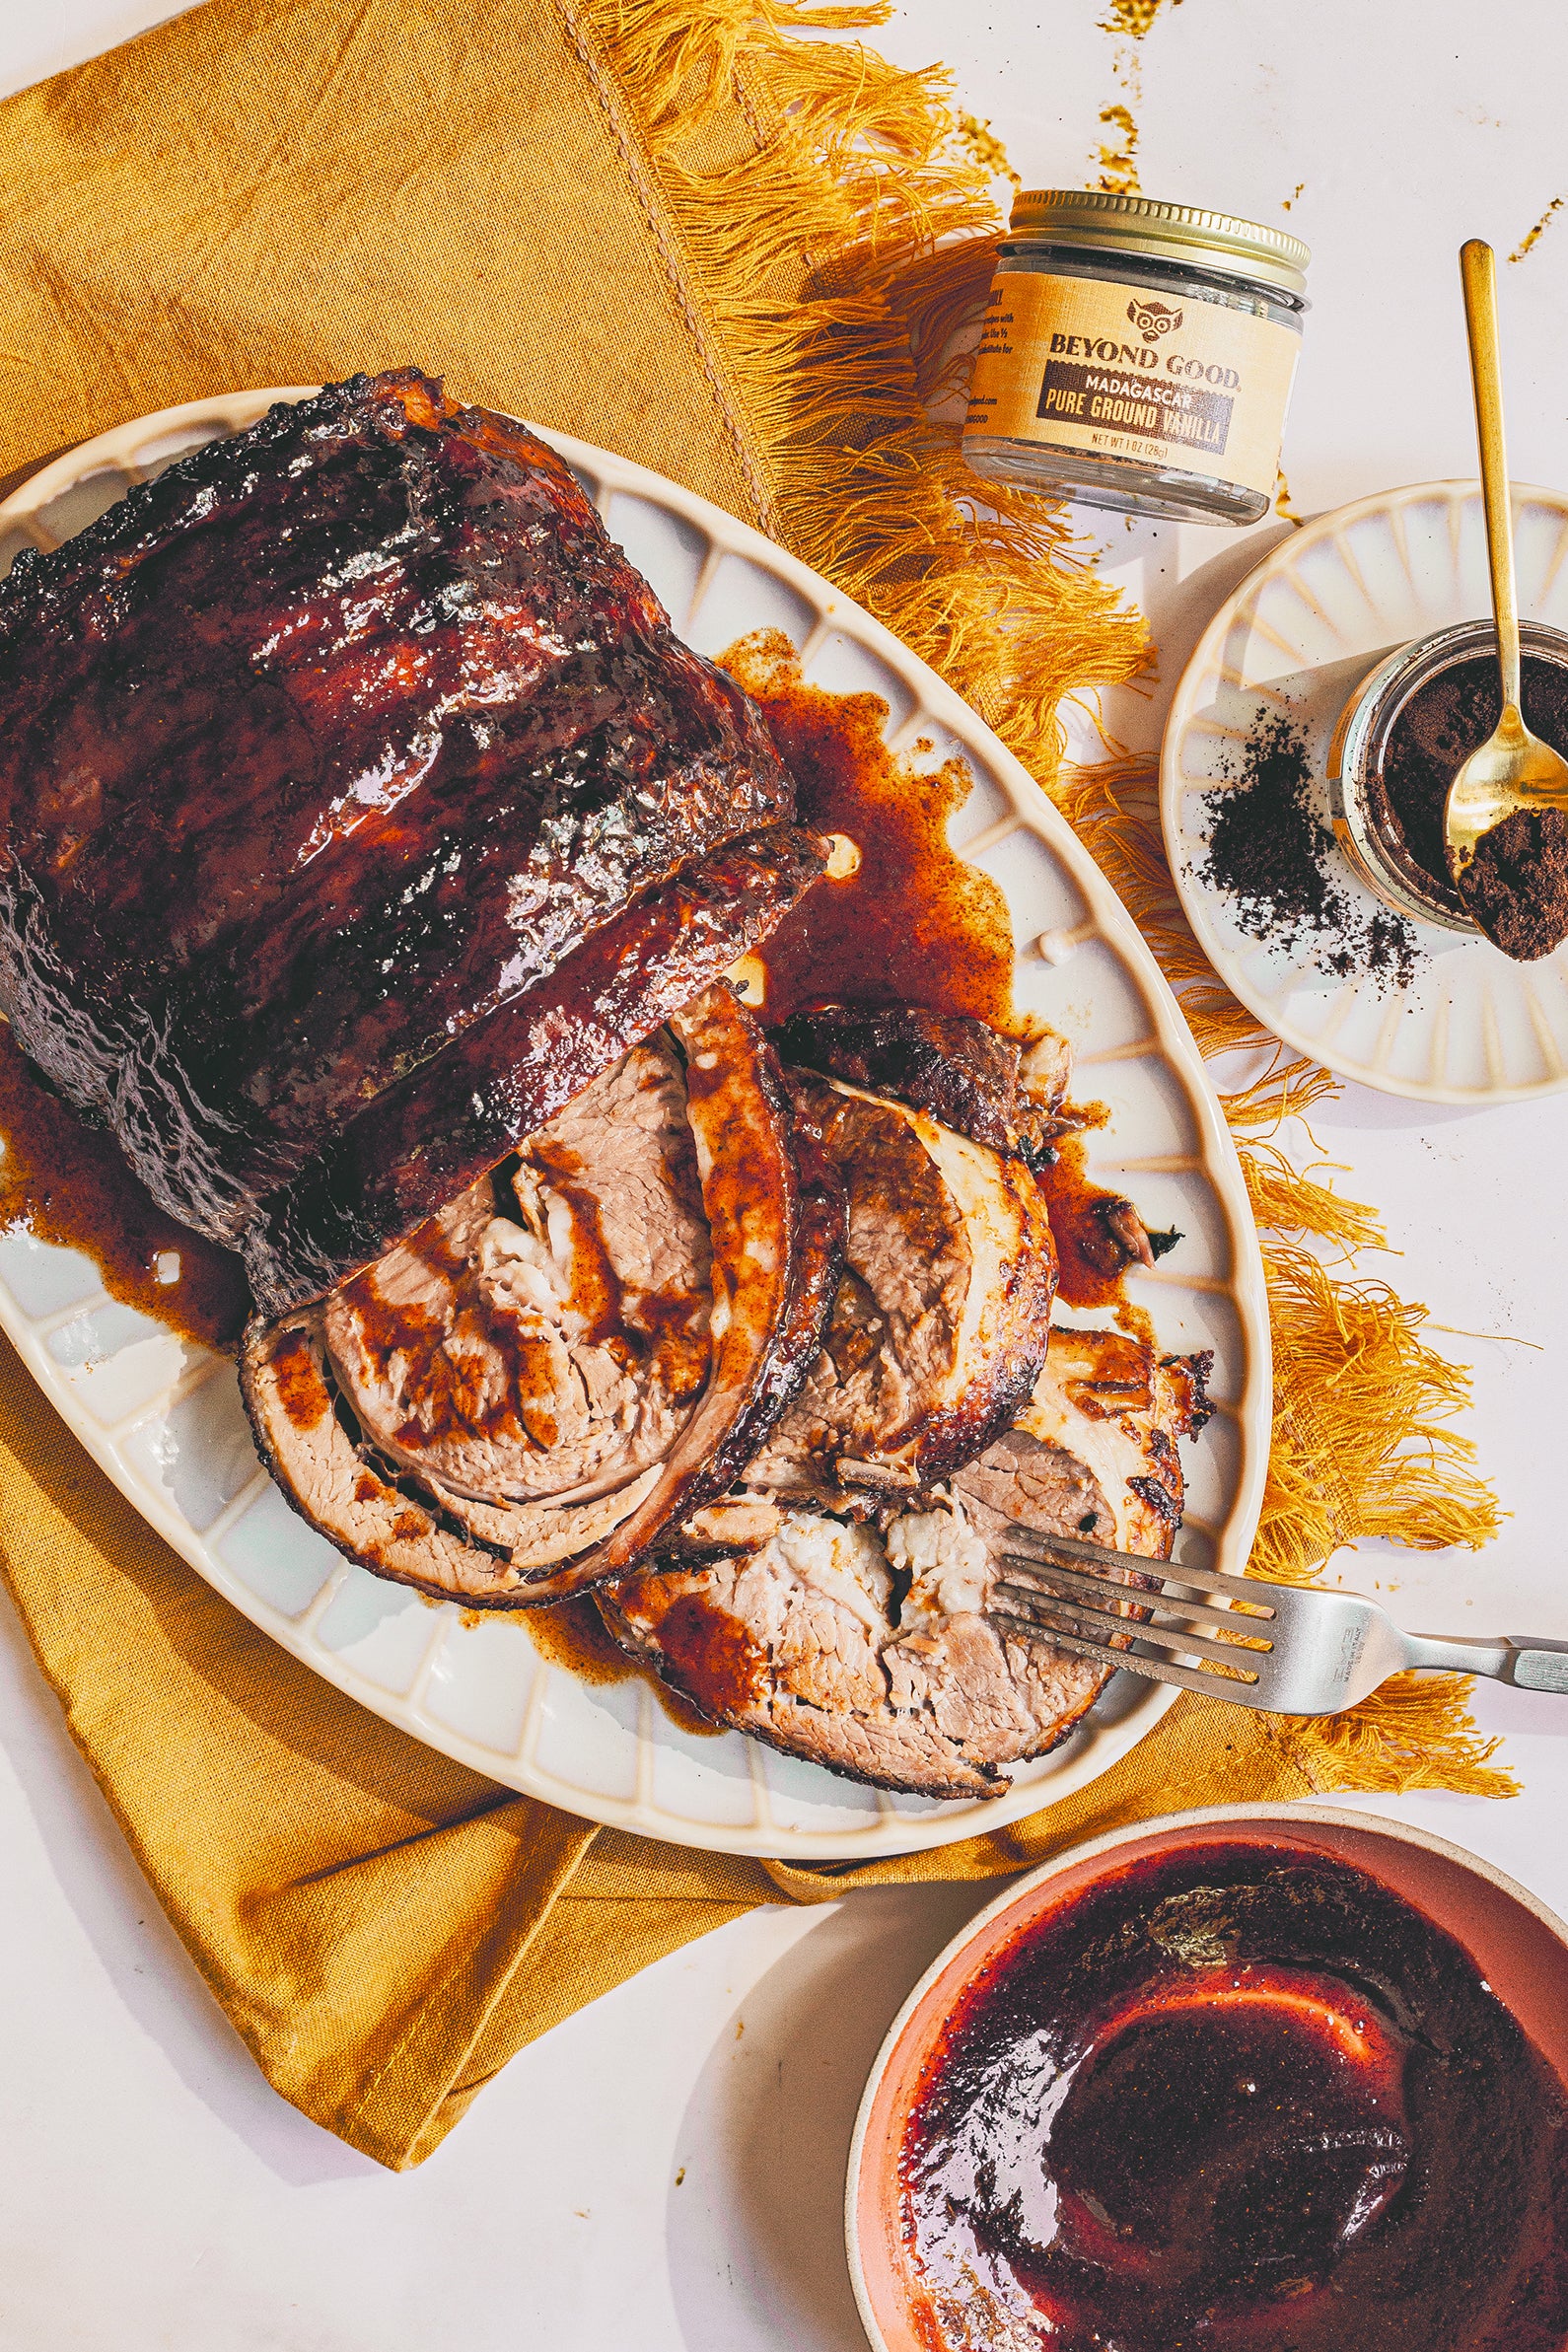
1513	768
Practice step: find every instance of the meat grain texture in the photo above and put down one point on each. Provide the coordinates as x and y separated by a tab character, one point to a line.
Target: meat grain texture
865	1642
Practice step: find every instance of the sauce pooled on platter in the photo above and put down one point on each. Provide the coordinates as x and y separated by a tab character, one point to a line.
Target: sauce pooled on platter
1240	2097
911	922
65	1181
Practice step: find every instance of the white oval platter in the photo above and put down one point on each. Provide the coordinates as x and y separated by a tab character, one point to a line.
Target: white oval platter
1297	638
163	1417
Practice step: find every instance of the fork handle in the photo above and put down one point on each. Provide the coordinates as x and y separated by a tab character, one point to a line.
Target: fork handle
1529	1663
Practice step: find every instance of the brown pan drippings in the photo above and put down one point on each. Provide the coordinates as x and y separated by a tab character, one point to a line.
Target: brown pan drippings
573	1635
915	923
66	1183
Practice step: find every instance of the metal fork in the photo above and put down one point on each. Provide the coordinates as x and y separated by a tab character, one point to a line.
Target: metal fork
1288	1649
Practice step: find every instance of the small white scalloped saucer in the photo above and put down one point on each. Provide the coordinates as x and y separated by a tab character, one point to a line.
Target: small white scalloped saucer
163	1418
1297	637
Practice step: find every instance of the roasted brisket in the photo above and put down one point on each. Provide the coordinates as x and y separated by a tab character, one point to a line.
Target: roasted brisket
371	858
324	749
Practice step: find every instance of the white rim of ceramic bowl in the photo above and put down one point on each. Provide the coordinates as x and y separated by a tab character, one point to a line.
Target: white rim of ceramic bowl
1284	1815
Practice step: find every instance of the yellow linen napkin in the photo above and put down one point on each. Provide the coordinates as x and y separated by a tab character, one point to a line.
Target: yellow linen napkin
384	1927
282	191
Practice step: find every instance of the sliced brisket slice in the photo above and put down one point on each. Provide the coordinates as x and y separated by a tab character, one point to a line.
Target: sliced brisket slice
320	749
426	1140
520	1399
867	1647
941	1318
546	1337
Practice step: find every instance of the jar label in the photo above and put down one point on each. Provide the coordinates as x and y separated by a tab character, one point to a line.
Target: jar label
1090	364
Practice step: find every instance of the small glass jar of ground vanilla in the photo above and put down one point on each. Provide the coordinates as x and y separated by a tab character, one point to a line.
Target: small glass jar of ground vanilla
1400	741
1138	355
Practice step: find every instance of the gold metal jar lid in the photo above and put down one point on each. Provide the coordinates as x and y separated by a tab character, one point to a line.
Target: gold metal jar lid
1085	216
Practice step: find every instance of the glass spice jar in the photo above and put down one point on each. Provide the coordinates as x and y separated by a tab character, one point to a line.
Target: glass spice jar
1364	807
1137	355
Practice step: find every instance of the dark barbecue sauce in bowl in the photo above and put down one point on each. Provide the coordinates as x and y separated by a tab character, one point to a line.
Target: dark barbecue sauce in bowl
1238	2096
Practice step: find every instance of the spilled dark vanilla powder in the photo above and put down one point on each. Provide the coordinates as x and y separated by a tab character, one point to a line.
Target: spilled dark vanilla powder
1269	856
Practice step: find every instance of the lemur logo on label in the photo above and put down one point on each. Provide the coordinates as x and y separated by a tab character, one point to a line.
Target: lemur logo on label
1154	318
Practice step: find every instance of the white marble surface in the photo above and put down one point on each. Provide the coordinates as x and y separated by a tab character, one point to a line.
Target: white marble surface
157	2193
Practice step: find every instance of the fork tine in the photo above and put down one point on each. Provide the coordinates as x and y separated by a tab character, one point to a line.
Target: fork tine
1165	1637
1153	1670
1212	1583
1100	1589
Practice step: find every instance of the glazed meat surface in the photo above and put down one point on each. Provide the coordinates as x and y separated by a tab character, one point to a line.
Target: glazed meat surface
425	1139
324	751
973	1079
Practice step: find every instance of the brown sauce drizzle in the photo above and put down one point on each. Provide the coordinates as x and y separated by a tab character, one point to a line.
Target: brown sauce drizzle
574	1636
713	1652
64	1181
914	923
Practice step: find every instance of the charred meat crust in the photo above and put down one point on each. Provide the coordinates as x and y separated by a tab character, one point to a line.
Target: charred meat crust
1189	1378
975	1079
817	1251
423	1141
322	748
768	1285
819	1235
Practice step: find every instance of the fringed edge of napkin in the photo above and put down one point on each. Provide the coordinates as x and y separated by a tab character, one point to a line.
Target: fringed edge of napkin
848	374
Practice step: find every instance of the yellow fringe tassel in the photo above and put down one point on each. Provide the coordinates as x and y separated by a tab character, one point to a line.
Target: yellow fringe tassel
836	217
1415	1733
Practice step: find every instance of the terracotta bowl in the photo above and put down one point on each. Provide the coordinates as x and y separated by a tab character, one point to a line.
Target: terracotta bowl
1519	1947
